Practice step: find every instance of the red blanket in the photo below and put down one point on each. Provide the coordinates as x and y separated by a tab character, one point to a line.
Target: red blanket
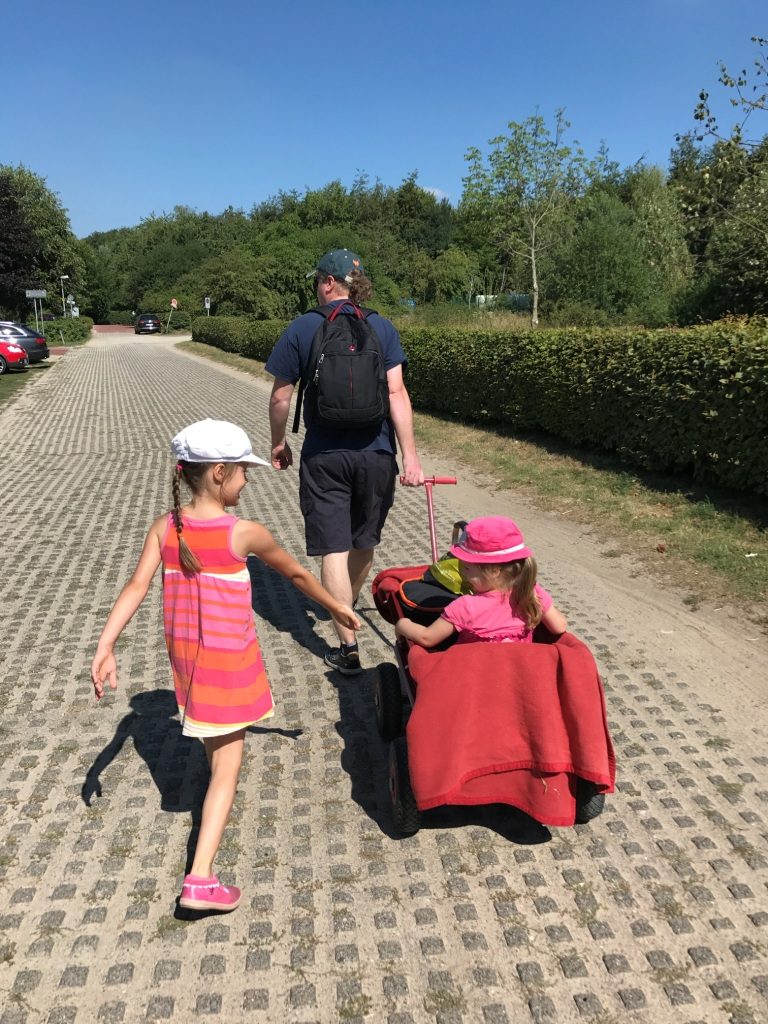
508	723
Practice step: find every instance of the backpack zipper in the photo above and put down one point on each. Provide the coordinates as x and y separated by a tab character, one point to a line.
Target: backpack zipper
317	368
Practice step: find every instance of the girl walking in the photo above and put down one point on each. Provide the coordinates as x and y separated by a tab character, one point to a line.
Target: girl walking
218	673
506	603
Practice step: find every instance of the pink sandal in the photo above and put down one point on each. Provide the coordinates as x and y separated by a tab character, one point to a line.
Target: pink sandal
208	894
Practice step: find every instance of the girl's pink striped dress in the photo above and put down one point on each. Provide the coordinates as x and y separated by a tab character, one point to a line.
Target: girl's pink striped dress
218	672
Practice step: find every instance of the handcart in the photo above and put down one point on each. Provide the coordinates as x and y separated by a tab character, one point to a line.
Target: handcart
482	723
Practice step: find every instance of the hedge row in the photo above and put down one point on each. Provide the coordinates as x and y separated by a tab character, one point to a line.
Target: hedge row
692	400
68	330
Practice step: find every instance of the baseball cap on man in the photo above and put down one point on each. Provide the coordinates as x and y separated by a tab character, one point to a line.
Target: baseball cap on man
214	441
491	539
339	264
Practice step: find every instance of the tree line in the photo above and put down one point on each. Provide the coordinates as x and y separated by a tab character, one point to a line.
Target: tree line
574	237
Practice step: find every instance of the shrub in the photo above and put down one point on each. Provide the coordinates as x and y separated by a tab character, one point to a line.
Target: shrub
692	400
69	330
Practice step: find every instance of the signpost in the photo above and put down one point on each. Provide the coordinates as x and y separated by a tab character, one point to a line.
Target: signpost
174	305
207	301
35	294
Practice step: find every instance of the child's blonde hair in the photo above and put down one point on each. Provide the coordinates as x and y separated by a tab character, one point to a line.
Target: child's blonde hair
192	474
518	578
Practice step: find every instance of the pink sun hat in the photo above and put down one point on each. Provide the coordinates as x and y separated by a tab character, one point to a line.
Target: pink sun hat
491	539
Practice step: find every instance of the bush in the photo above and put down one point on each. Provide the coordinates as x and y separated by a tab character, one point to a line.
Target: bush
122	317
69	330
691	400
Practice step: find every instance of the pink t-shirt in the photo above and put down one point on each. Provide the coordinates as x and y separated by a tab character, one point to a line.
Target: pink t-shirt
490	617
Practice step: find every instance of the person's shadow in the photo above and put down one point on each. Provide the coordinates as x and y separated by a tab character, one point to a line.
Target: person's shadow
177	763
277	600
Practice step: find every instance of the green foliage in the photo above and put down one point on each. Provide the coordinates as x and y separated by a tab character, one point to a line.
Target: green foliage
254	339
36	243
69	330
693	400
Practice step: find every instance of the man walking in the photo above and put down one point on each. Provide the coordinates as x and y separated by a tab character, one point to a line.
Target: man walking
348	472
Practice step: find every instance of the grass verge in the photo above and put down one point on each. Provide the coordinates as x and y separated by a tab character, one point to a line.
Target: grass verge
709	542
12	383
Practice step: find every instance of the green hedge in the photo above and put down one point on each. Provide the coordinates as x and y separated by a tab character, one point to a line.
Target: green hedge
68	331
123	317
242	334
692	400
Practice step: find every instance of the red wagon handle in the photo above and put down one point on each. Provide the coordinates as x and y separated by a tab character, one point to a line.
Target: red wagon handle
429	483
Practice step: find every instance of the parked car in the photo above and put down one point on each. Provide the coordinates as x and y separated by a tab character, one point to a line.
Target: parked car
147	323
32	341
12	356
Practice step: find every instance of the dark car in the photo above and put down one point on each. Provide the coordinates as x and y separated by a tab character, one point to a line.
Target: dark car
32	341
147	323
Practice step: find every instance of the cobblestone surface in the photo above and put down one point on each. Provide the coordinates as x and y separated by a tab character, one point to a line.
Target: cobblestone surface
654	913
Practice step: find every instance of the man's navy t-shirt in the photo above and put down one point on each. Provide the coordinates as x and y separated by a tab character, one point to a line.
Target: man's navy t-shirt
291	355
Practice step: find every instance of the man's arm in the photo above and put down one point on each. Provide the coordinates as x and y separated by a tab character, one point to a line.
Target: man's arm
279	407
402	419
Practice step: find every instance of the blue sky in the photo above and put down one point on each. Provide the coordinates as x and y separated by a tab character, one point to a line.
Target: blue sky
131	109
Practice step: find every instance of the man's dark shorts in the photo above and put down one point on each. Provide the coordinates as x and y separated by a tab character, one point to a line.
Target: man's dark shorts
345	498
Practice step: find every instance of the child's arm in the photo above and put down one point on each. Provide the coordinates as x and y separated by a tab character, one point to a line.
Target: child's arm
257	540
425	636
104	666
554	620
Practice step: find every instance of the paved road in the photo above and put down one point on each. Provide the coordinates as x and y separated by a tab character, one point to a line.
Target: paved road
654	913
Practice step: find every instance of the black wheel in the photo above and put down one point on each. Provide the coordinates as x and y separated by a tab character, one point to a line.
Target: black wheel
589	803
3	366
388	699
404	810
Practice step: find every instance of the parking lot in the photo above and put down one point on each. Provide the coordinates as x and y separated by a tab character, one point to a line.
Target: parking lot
654	913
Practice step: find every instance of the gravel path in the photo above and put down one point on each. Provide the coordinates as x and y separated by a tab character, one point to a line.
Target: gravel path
654	913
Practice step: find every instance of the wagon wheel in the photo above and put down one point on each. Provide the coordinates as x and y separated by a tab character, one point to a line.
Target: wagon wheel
404	810
388	699
589	803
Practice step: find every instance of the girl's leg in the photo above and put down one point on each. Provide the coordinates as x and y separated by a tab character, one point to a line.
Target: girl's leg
225	755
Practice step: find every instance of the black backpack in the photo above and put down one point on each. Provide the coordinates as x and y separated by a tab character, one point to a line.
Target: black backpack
345	378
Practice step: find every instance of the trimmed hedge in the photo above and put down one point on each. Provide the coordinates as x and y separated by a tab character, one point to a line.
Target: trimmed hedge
689	400
123	317
68	330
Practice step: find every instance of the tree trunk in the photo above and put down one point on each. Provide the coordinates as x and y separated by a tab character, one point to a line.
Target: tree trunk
534	282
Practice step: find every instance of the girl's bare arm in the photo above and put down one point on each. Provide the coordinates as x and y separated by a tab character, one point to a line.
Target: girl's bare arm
253	538
103	666
425	636
554	620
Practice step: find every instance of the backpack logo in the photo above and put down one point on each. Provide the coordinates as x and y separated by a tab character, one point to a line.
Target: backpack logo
344	384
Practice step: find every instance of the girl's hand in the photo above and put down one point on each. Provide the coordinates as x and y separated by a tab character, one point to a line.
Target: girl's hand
344	615
103	667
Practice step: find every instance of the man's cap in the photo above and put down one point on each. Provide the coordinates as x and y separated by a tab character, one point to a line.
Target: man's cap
214	441
339	264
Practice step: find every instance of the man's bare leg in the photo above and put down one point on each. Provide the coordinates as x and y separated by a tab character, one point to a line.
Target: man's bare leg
334	575
360	562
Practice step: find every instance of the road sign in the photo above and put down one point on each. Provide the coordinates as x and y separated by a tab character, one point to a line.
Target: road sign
207	301
70	298
37	293
174	304
75	311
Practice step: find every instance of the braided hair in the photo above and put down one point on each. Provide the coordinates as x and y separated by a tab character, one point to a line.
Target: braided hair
191	473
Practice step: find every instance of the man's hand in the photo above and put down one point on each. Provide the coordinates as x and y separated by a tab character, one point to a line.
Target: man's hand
413	475
282	456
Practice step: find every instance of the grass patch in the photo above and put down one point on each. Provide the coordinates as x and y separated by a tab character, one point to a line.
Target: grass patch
695	537
12	383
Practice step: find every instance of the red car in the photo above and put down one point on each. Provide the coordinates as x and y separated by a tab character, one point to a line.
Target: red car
12	356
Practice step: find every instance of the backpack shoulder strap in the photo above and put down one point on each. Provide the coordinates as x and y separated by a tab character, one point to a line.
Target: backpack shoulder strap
324	312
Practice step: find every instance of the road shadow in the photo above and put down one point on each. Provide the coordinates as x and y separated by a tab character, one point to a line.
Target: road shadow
284	606
177	763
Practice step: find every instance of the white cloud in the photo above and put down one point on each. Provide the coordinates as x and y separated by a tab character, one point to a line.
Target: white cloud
437	193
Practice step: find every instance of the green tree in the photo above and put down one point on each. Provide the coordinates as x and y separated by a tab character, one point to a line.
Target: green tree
52	249
521	189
